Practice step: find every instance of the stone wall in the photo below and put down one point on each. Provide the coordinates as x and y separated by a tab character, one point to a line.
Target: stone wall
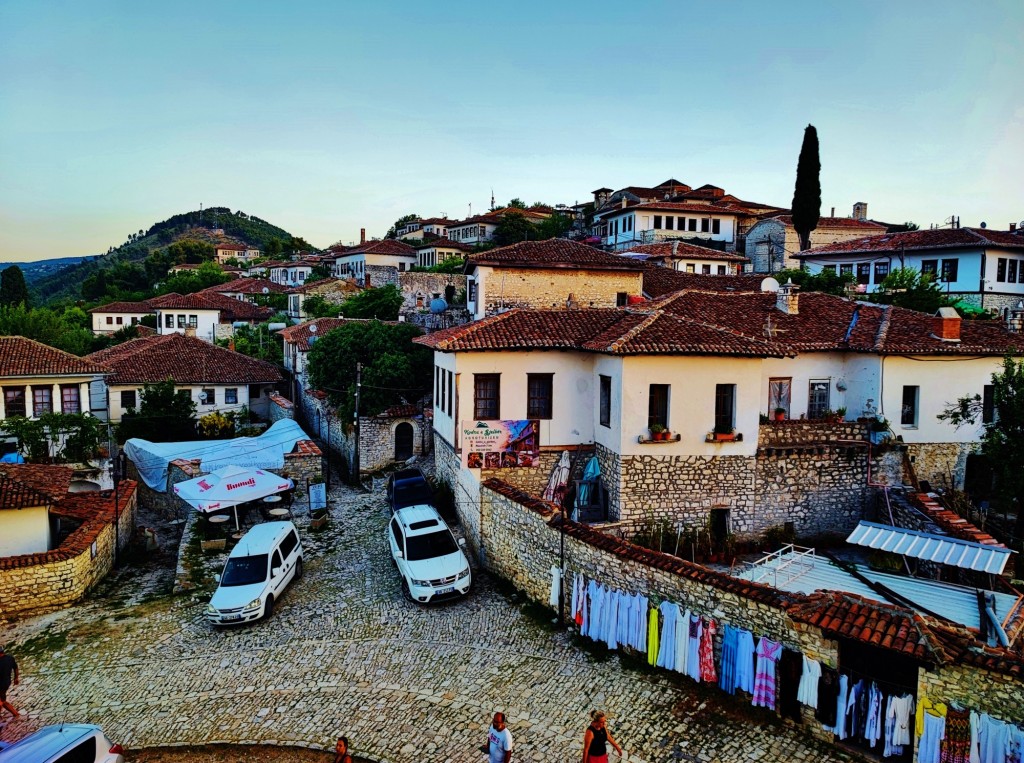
989	692
280	408
382	275
33	583
938	462
419	288
511	287
377	440
453	316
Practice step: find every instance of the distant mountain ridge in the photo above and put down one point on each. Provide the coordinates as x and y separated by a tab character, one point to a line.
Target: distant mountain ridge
213	225
41	268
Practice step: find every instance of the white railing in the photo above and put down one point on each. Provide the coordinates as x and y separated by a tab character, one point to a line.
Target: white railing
782	566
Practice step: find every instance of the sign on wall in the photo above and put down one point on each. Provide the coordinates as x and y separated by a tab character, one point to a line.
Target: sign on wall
500	444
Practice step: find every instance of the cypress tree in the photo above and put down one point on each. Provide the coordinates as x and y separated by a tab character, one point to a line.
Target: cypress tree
807	193
13	290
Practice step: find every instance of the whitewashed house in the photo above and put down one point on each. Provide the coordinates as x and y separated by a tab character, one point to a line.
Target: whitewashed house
773	244
112	317
479	229
688	258
434	251
354	262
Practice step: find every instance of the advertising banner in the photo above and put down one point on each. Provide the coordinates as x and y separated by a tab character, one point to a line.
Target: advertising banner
500	444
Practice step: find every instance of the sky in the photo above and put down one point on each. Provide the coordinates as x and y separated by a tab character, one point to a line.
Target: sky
327	117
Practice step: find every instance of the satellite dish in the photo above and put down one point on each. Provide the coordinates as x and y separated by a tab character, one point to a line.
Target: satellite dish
769	284
984	225
266	290
312	328
202	397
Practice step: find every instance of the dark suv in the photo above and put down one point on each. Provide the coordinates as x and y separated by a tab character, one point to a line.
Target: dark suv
408	487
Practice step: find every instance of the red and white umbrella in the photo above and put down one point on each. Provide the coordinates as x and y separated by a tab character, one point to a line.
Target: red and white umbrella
229	486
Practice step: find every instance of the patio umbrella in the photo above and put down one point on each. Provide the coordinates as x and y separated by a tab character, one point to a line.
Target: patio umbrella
559	478
229	486
591	474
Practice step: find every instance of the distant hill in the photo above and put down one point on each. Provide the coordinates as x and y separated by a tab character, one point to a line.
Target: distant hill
40	268
215	225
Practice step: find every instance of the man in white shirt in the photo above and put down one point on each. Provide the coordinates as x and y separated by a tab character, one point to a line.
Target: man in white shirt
499	741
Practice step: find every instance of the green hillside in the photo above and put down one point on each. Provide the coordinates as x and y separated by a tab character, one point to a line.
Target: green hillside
127	264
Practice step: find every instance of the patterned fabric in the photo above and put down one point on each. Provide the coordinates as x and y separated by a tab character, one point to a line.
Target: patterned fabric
707	653
768	653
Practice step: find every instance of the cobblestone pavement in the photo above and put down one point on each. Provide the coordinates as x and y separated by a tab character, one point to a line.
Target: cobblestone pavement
344	652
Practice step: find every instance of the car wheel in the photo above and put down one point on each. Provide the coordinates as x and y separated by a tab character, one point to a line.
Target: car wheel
268	608
405	589
298	568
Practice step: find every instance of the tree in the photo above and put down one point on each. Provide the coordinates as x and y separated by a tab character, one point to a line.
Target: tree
163	411
59	437
46	326
826	282
395	370
512	228
401	221
319	272
190	281
517	203
318	306
807	192
190	251
382	304
555	226
13	289
1002	439
257	342
905	287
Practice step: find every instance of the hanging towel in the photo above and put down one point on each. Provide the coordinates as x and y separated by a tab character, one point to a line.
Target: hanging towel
652	636
768	652
556	587
609	614
707	652
640	633
807	693
929	746
791	665
667	648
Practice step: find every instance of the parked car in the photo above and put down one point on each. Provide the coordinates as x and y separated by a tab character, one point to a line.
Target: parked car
64	743
431	562
257	571
408	487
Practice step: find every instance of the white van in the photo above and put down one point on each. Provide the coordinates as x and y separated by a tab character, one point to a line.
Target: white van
65	743
264	562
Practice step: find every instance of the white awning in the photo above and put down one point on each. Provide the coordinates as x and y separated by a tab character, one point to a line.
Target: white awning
941	549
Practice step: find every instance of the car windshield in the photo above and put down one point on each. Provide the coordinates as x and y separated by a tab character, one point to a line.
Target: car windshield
412	494
429	546
245	570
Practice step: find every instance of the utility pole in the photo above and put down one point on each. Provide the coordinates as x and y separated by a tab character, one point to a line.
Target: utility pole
359	387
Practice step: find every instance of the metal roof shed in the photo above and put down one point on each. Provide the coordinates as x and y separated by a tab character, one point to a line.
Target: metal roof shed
941	549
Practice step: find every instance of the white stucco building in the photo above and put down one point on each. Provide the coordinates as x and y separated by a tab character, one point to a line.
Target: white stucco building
353	261
112	317
688	258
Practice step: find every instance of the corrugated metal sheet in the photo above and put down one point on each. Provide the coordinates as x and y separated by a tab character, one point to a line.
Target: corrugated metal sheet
930	547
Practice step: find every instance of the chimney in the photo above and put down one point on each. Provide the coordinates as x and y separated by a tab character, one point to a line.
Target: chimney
362	235
1013	227
787	300
624	202
833	212
1015	319
860	211
675	248
190	331
946	325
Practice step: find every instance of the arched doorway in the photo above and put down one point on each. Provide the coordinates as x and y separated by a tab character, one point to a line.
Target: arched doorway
403	441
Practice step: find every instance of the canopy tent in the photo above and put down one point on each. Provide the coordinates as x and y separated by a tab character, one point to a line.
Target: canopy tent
266	451
229	486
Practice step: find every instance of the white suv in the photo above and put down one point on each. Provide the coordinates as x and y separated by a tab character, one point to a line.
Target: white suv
65	743
431	562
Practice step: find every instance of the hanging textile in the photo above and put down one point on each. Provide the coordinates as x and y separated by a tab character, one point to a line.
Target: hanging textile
640	624
707	652
624	632
873	722
652	636
768	653
745	661
556	587
930	744
791	665
695	631
828	694
839	729
667	648
578	597
727	675
682	641
957	746
807	693
854	716
609	614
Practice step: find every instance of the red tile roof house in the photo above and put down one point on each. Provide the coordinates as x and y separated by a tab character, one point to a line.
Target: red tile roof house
688	258
114	316
206	315
478	229
982	267
773	243
548	273
356	262
707	365
240	252
246	289
37	379
219	379
39	571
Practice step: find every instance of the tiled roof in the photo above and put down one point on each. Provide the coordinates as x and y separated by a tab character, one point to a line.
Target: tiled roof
232	247
444	243
952	522
300	333
494	216
185	359
730	208
142	306
27	357
659	281
834	222
231	310
24	485
384	246
553	253
602	330
400	412
684	250
177	301
939	238
246	286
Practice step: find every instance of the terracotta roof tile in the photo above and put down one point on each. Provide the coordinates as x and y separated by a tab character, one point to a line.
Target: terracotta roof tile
835	222
27	357
300	333
552	253
683	250
142	306
247	286
659	281
185	359
33	481
939	238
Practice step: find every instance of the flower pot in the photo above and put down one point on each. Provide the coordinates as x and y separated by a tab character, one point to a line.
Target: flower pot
318	523
724	437
780	416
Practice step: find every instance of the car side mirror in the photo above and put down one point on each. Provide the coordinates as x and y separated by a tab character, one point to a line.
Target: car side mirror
462	542
275	572
216	578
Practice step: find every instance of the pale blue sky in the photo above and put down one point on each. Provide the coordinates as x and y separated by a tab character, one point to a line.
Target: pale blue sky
324	117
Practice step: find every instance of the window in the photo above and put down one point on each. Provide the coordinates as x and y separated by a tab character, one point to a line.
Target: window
193	321
289	543
779	394
863	273
705	269
817	398
120	320
705	225
69	399
908	412
725	407
657	405
621	299
657	221
881	271
255	391
451	393
207	396
443	396
127	399
692	224
134	320
486	396
691	267
471	290
949	269
828	269
1011	271
930	268
110	320
1000	269
846	270
437	387
85	752
231	396
181	321
168	320
538	396
716	226
606	401
721	270
988	404
42	401
669	222
14	401
681	224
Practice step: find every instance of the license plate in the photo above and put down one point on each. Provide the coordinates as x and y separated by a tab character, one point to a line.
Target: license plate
449	589
230	618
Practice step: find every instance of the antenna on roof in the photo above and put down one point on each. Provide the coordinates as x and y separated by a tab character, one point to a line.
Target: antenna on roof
770	330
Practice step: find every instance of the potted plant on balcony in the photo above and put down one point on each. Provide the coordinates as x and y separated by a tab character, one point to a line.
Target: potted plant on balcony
780	414
657	432
724	433
841	414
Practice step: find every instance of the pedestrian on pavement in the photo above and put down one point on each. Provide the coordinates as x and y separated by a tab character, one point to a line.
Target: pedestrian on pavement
341	751
499	741
596	740
7	667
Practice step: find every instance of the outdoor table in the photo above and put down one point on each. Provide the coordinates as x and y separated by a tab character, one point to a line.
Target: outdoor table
278	513
218	520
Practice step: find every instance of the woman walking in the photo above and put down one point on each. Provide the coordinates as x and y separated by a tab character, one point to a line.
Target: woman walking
596	740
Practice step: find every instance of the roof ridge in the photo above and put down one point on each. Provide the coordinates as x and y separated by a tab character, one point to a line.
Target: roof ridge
640	326
883	328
